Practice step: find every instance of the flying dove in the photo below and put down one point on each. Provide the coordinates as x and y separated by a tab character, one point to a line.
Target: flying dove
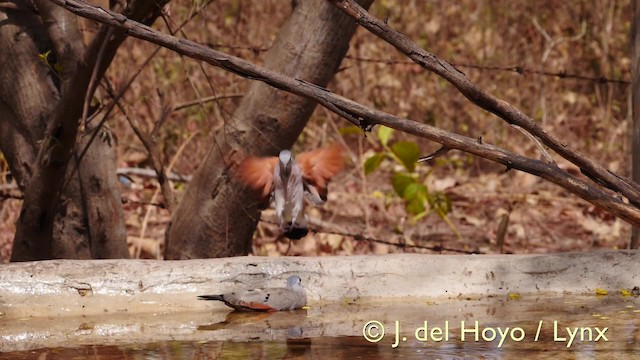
288	179
291	297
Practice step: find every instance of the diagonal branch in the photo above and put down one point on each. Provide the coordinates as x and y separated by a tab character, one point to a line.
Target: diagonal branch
34	231
484	99
362	115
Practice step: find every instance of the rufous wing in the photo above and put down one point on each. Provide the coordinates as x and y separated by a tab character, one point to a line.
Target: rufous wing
257	173
256	306
320	165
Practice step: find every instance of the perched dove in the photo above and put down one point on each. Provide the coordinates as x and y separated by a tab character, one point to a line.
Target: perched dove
291	297
287	180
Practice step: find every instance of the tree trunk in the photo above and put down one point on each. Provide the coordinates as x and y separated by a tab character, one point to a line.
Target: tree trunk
102	199
217	215
635	108
68	211
30	91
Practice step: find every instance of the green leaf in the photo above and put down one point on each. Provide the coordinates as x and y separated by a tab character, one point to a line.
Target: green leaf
400	181
415	195
57	68
415	206
372	163
415	191
384	134
410	192
350	130
440	202
44	57
408	152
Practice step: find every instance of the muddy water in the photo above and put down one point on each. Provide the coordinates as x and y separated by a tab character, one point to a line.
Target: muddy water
501	327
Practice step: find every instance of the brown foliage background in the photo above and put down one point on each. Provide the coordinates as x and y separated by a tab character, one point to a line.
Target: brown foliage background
590	38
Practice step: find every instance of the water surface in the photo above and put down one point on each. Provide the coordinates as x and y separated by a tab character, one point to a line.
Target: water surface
558	327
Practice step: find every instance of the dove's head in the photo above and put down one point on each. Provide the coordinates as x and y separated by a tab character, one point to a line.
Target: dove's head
293	281
285	159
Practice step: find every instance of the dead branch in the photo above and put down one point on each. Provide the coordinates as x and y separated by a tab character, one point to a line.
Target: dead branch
34	230
366	117
484	99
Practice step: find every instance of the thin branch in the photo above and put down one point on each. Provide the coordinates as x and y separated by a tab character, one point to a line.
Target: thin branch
440	152
34	231
360	237
144	203
482	98
154	155
11	196
518	69
367	116
545	154
204	100
323	229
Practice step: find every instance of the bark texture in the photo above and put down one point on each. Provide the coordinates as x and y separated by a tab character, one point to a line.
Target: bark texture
635	94
217	215
366	117
68	211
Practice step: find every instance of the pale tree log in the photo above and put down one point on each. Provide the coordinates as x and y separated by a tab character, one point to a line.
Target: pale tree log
68	211
217	215
367	117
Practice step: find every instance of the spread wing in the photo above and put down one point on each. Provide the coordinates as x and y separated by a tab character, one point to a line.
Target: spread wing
257	173
320	165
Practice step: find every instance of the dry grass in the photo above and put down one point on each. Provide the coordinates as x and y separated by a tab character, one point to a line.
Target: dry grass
590	38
